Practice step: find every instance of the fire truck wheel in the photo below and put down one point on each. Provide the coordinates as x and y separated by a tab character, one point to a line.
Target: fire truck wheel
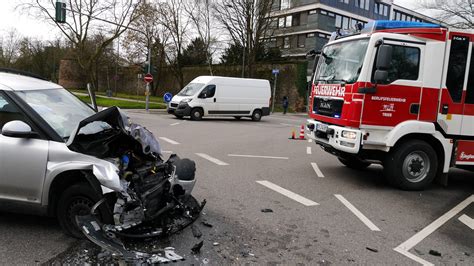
412	165
354	163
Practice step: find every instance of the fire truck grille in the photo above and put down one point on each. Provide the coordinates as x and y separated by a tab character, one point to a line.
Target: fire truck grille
328	107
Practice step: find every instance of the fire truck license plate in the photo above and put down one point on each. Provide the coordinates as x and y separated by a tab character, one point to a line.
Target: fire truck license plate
322	127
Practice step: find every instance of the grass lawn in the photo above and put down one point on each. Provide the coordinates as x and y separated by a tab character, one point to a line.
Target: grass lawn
105	102
157	99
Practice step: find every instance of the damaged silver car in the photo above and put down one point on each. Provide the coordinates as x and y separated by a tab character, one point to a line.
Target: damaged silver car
99	174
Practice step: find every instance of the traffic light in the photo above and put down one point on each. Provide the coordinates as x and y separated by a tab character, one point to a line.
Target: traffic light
60	11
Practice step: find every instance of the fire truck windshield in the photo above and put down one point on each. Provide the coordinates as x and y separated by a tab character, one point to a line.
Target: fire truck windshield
341	62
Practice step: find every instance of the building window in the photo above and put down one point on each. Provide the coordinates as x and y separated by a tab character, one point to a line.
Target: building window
324	12
338	21
289	21
310	35
363	4
284	4
296	19
301	40
312	12
344	1
345	23
381	9
286	42
281	22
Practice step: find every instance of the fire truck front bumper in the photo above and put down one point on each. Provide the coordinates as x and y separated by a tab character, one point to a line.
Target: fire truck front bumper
335	138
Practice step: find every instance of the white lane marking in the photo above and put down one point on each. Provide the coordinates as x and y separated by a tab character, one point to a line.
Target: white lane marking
357	213
284	124
166	152
257	156
308	150
288	193
310	140
212	159
317	170
175	124
169	141
404	247
468	221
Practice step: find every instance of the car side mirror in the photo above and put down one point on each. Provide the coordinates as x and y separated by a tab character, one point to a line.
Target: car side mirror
384	57
18	129
381	76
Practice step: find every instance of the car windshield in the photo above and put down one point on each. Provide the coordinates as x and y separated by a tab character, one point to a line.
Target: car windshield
58	107
190	89
342	62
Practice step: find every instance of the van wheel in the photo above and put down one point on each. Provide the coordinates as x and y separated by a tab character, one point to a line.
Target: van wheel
237	117
257	115
354	163
411	166
76	200
196	114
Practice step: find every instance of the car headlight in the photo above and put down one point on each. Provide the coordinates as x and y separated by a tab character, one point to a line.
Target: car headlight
349	134
186	100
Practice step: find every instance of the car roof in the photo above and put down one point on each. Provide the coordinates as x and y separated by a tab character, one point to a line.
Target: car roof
16	82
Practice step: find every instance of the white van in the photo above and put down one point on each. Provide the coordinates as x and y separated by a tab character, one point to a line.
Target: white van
222	96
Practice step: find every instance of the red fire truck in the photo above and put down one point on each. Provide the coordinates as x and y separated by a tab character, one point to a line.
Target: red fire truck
400	94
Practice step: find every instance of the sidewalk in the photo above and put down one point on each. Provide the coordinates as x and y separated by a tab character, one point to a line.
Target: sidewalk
116	98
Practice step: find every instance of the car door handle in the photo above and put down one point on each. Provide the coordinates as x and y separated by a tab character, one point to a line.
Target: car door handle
214	99
445	109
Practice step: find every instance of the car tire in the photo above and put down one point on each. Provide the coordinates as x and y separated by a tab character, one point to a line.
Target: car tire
237	117
196	114
77	199
257	115
354	163
412	165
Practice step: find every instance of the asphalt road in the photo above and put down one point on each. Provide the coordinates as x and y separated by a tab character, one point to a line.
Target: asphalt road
322	212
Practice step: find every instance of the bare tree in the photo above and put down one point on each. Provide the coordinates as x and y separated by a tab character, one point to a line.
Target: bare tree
455	13
86	17
172	18
200	14
9	44
247	23
137	44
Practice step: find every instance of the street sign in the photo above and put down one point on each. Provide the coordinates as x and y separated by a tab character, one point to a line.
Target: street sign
167	97
276	71
148	78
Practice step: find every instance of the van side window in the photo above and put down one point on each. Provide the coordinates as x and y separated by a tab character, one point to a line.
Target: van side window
405	64
209	91
470	83
457	66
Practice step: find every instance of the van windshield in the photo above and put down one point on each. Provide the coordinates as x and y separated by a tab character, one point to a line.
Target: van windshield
190	89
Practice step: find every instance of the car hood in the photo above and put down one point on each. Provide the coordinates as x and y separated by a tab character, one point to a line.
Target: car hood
112	142
178	99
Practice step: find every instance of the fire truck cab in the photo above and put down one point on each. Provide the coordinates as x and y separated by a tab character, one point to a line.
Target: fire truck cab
400	94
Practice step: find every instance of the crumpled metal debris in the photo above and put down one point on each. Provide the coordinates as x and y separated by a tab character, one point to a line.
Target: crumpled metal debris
107	240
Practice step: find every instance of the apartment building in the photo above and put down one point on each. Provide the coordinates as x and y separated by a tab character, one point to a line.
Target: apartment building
298	26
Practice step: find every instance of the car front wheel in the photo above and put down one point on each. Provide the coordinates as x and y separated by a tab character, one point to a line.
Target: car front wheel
76	200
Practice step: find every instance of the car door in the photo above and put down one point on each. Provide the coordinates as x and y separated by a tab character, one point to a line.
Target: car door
208	100
394	100
23	161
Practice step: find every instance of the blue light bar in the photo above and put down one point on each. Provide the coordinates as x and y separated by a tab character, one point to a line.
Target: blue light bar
394	24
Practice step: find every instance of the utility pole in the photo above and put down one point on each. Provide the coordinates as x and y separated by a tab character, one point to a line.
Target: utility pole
274	72
147	92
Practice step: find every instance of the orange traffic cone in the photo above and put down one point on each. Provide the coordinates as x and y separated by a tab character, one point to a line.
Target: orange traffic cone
302	133
293	134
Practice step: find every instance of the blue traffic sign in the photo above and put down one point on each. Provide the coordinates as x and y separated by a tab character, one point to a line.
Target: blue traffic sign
167	97
276	71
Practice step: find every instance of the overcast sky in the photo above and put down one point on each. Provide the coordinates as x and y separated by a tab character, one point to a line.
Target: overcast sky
26	25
